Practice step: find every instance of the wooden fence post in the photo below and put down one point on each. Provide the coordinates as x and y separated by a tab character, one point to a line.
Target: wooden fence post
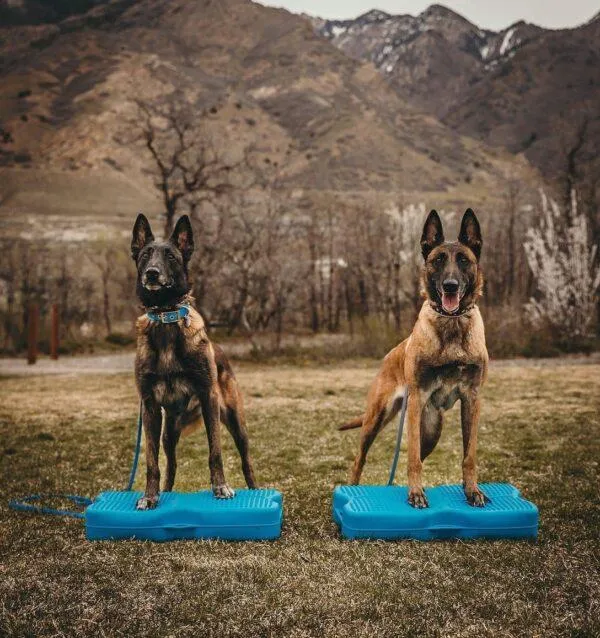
32	333
54	331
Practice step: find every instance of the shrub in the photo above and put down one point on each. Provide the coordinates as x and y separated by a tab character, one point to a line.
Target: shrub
563	262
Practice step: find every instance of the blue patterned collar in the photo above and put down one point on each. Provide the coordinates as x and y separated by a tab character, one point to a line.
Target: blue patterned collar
170	316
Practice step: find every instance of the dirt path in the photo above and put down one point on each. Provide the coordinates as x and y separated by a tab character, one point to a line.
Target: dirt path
93	364
123	362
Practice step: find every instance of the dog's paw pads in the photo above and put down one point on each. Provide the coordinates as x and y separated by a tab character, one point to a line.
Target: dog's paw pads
417	498
476	498
223	491
147	503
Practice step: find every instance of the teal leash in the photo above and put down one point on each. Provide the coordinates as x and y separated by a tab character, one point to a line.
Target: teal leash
136	454
399	436
27	503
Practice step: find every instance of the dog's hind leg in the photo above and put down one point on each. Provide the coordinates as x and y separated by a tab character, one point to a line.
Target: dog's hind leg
170	438
209	400
379	413
432	419
233	417
191	420
372	424
234	420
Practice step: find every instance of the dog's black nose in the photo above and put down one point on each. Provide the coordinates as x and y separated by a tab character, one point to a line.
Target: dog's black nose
151	275
450	286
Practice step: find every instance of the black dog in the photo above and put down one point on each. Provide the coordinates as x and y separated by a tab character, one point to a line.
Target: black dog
177	368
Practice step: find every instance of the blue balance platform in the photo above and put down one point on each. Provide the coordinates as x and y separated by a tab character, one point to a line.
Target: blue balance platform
383	512
250	515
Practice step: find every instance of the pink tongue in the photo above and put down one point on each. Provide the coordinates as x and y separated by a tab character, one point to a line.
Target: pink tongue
450	302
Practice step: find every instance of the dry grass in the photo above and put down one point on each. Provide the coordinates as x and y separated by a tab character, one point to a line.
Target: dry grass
540	430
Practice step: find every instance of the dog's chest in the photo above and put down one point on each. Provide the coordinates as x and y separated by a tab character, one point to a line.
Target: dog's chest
166	369
167	360
172	386
445	384
451	345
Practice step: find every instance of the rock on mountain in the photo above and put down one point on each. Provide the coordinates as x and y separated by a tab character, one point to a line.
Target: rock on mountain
540	101
431	58
507	88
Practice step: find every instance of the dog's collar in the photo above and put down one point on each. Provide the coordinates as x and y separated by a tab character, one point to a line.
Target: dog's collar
170	316
455	315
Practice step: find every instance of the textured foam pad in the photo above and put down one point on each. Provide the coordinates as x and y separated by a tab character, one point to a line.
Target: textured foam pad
383	512
250	515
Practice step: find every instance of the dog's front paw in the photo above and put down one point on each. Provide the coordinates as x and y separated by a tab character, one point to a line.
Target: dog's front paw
476	497
223	491
147	503
417	498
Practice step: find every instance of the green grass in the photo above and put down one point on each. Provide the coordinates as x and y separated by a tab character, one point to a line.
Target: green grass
540	430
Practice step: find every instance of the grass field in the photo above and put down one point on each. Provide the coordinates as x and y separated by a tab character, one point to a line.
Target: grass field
540	430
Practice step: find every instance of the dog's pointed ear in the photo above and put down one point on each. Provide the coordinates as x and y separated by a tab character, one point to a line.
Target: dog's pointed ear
142	235
433	233
183	237
470	232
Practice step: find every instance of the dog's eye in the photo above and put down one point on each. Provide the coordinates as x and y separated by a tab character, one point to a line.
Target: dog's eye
439	259
462	259
171	257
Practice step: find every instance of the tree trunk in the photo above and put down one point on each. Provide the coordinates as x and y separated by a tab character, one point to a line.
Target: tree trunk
106	304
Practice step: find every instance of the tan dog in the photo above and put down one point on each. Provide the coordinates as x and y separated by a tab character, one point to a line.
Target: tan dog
443	360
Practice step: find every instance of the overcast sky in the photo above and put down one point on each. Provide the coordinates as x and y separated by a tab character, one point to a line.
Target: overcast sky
490	14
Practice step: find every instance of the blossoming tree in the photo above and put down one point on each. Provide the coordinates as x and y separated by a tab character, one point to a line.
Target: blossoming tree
566	272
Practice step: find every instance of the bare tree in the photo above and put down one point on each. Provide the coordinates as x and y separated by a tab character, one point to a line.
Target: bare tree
190	167
9	279
104	256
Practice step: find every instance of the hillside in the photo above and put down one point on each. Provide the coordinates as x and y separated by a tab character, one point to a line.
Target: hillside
507	88
331	123
534	103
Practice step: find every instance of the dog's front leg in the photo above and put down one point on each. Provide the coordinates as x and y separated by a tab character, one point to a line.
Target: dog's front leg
470	407
152	420
210	411
414	409
170	438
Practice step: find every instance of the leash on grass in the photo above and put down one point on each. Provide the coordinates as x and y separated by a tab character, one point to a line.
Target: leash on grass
28	503
399	436
136	454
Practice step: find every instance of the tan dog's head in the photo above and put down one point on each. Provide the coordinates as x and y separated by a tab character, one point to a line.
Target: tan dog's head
452	277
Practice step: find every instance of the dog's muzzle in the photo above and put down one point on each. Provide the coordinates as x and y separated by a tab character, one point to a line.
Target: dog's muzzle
153	280
450	294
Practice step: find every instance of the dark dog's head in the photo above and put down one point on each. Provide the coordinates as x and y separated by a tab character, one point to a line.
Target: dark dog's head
162	265
452	275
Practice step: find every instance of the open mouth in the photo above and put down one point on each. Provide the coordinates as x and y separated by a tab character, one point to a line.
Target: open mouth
450	301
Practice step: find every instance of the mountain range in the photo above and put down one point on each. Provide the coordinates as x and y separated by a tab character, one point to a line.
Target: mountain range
314	97
523	88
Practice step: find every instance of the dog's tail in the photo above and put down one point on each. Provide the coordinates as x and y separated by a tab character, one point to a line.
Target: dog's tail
355	423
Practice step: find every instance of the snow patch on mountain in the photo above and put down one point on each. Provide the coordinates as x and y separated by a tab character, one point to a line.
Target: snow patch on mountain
386	40
506	42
